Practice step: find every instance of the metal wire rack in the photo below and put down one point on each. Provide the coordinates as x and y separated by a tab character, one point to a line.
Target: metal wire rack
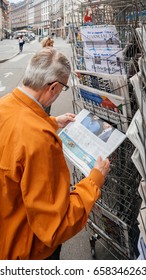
113	219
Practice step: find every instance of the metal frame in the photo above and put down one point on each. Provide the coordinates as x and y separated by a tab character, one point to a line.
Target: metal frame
120	201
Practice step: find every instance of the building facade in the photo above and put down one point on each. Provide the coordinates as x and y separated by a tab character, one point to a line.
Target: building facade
4	19
19	18
45	17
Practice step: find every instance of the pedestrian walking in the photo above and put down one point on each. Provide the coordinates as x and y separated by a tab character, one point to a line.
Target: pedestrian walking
21	43
38	211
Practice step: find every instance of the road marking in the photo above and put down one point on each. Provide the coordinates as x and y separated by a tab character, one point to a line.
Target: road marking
18	57
1	87
8	74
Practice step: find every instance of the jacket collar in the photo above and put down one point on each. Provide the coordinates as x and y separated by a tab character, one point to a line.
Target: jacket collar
29	102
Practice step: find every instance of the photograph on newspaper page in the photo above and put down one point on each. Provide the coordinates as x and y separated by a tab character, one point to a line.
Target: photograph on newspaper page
100	36
108	106
115	84
87	138
112	226
104	60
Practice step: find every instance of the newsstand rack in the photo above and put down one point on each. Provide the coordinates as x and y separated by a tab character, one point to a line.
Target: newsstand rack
113	219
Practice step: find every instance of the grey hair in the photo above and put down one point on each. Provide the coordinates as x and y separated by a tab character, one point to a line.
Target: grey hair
46	66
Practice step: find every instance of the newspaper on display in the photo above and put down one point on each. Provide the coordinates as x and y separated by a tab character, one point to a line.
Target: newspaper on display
111	226
141	32
104	60
141	248
142	220
142	190
87	138
100	36
114	84
108	106
140	92
135	134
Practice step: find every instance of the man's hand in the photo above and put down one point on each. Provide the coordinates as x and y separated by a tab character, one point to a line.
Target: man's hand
63	120
103	166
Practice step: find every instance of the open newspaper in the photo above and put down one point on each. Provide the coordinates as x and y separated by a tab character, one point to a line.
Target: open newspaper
87	138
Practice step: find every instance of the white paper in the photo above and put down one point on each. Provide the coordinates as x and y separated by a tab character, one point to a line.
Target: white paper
87	138
99	36
136	136
104	60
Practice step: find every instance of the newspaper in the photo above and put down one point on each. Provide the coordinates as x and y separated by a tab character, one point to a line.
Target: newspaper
136	158
142	221
104	60
114	228
141	32
108	106
136	135
115	84
142	67
142	190
87	138
99	36
141	248
140	92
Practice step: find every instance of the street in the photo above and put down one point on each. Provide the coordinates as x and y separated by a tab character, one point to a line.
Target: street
11	75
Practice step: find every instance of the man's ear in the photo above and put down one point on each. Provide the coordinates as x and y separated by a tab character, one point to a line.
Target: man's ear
53	86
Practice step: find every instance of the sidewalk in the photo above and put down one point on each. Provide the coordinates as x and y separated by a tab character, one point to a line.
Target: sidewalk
8	49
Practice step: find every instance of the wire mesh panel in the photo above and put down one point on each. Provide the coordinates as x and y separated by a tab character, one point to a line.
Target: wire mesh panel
113	217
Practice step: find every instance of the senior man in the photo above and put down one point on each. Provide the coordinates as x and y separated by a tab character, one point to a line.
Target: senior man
37	210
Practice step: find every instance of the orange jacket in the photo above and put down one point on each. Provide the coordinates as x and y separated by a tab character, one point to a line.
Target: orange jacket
37	210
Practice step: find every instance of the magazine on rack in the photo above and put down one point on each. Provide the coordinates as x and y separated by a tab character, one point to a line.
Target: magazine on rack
99	36
115	84
108	106
104	60
87	138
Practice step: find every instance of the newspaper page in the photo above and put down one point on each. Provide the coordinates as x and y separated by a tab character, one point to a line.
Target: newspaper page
110	83
142	220
142	190
87	138
135	134
141	248
108	106
142	67
140	93
136	158
104	60
141	32
100	36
